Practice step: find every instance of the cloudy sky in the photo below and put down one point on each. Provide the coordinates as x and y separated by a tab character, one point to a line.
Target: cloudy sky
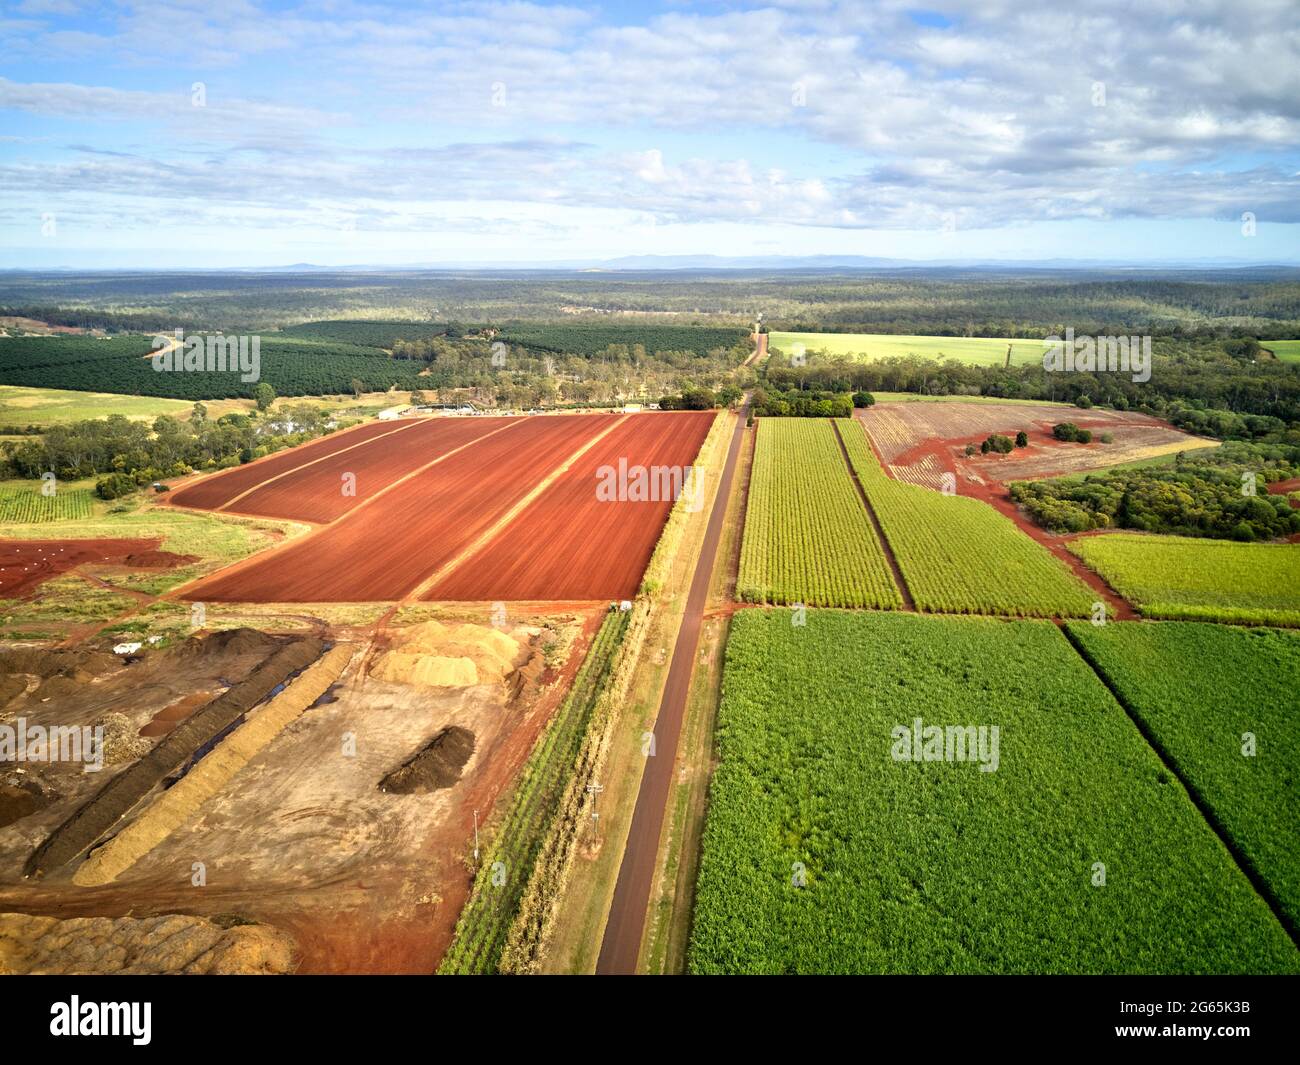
208	133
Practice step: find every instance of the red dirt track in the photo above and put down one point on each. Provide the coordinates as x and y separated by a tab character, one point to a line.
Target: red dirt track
315	493
383	550
214	492
568	544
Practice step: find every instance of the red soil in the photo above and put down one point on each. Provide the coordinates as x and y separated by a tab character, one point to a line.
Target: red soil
216	491
315	493
996	494
384	549
570	545
26	564
1281	488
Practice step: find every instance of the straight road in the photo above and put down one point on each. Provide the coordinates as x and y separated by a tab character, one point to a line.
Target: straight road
622	940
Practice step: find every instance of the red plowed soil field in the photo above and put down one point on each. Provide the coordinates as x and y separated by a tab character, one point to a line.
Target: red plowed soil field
26	564
216	491
316	492
384	550
568	544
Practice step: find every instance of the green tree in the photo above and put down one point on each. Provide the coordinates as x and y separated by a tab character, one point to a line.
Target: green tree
263	395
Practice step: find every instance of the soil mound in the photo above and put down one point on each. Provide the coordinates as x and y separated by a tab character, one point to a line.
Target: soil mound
438	654
438	765
171	943
20	797
242	641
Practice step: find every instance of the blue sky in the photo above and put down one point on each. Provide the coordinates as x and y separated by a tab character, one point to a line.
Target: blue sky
196	134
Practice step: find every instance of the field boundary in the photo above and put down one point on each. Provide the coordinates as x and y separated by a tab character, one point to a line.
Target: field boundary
909	604
1243	862
312	462
620	947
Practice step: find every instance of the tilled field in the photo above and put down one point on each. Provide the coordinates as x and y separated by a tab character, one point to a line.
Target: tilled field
570	545
217	491
487	509
333	485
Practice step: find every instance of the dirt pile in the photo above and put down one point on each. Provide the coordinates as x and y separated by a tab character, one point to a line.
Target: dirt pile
43	663
20	795
122	742
442	655
89	822
241	641
171	943
11	687
437	766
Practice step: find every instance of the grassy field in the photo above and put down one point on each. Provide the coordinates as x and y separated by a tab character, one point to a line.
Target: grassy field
937	866
959	555
213	541
62	603
1167	459
807	535
517	840
1200	718
21	406
868	347
1199	580
1286	350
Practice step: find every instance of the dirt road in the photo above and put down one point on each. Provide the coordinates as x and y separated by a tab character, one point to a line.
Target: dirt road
622	940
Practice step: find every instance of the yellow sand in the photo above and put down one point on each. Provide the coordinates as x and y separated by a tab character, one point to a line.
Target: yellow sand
444	655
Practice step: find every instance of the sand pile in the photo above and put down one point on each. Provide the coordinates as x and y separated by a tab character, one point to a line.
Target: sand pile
443	655
171	943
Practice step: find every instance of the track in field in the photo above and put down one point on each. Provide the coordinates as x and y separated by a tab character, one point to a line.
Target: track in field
214	492
315	493
568	544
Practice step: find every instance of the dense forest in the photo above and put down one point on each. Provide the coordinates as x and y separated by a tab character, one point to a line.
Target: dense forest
1184	372
1218	493
946	302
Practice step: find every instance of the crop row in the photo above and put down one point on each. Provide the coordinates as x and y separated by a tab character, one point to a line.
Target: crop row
960	556
508	860
293	367
834	846
1196	579
1221	703
28	505
807	536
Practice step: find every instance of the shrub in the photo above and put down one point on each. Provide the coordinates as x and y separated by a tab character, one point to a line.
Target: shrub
114	486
